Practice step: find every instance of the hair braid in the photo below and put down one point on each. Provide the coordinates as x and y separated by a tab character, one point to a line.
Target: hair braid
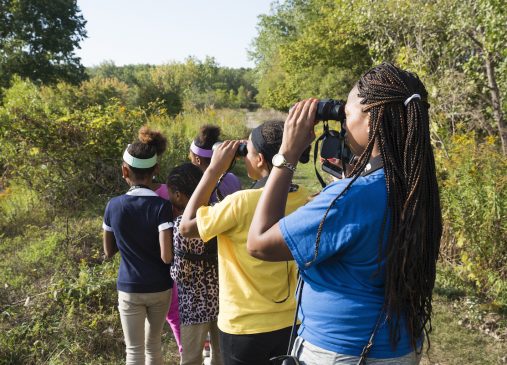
184	178
402	135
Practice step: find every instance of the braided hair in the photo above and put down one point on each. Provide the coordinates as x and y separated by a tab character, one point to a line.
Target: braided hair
184	178
402	134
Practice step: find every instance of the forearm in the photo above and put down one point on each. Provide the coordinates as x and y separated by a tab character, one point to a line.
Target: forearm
166	245
109	243
265	239
200	197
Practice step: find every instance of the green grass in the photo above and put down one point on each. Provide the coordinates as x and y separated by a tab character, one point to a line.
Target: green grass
453	344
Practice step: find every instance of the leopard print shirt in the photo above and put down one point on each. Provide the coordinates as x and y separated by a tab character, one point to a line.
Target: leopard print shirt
197	281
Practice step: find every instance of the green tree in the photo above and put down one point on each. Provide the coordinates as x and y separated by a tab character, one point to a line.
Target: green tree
308	48
463	58
38	39
480	39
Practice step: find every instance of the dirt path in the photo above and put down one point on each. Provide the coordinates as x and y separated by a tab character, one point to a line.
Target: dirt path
253	119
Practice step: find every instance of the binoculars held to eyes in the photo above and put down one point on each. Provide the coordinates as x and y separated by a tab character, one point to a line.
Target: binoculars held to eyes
330	109
333	142
240	152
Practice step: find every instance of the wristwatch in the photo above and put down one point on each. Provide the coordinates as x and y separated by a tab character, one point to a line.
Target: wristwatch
279	160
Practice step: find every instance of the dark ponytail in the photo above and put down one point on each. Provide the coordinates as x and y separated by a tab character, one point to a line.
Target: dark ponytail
149	144
207	137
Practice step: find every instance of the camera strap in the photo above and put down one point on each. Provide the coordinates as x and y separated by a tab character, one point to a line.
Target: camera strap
315	153
326	133
373	165
220	196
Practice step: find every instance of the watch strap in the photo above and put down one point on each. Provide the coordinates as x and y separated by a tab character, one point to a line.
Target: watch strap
290	166
283	163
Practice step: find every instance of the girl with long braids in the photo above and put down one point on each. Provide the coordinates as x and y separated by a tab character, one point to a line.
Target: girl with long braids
368	247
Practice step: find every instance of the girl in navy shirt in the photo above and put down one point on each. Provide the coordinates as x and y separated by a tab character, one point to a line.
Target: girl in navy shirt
138	224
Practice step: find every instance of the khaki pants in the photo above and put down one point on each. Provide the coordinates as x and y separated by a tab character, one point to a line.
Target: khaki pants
142	319
192	342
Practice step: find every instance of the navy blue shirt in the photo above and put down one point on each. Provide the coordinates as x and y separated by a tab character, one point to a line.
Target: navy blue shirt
344	292
135	220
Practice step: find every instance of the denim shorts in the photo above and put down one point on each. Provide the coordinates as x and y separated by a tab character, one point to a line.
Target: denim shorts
309	354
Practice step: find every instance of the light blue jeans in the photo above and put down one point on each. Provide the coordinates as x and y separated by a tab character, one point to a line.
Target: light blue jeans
309	354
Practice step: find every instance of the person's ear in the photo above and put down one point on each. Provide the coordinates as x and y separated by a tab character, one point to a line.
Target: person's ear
156	170
124	171
261	162
198	160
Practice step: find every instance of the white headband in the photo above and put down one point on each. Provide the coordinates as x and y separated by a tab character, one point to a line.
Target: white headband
414	96
140	163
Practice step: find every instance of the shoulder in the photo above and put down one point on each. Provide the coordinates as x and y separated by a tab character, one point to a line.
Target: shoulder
248	196
373	181
242	196
239	202
364	193
232	181
230	176
115	200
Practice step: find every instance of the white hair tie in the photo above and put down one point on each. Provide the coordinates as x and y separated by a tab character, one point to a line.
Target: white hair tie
412	97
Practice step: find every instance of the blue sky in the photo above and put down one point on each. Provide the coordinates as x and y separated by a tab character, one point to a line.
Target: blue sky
161	31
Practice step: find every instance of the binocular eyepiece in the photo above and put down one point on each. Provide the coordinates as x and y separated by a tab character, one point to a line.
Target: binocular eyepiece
240	152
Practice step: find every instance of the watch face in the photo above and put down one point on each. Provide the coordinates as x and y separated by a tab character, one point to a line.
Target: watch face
278	160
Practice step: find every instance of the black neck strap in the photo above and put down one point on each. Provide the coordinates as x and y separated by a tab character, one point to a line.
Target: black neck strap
315	154
373	165
259	183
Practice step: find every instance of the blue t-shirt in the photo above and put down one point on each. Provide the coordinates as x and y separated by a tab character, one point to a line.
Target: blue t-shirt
344	289
136	219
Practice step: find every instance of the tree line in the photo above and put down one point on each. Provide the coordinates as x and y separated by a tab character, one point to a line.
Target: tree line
458	47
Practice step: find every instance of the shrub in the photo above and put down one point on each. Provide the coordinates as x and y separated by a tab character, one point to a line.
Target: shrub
67	158
473	177
182	129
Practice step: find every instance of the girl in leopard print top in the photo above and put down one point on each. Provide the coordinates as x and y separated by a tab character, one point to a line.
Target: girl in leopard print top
195	269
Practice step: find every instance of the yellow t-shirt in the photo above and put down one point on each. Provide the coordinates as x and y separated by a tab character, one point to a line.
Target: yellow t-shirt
248	287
